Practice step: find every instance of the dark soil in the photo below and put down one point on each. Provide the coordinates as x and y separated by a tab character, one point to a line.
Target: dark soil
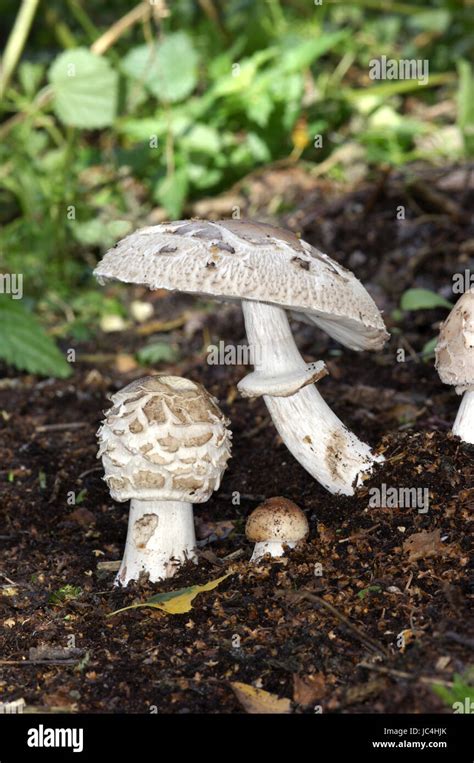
320	627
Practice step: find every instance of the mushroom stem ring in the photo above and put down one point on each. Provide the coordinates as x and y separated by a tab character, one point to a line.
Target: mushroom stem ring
311	431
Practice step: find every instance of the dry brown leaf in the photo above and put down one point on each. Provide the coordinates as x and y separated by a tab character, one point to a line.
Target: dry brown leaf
308	690
125	363
82	516
258	701
424	544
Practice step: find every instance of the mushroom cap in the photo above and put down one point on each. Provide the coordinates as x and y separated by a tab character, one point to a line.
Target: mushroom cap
239	259
277	519
165	438
455	348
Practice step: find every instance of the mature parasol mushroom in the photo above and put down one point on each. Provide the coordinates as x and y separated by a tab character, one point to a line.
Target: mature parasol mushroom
271	271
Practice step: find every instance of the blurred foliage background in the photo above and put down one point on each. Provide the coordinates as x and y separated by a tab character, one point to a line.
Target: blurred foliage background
114	114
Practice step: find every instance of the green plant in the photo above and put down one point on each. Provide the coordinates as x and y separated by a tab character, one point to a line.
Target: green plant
24	344
424	299
99	126
459	697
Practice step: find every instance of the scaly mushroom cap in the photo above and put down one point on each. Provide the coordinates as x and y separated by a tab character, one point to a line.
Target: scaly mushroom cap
455	347
165	438
238	259
277	519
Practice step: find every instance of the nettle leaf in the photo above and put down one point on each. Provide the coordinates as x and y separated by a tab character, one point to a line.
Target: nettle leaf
175	602
422	299
24	344
168	69
85	89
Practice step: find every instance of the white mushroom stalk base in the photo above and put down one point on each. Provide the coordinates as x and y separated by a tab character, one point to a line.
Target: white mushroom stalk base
463	426
272	547
315	436
160	538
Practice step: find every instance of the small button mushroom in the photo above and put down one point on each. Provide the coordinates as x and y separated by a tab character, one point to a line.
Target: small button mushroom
274	524
164	446
272	272
455	361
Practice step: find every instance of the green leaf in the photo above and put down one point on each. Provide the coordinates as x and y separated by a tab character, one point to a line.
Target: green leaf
461	690
168	70
422	299
304	52
465	103
203	139
64	594
30	76
366	591
171	192
85	89
428	350
24	344
158	352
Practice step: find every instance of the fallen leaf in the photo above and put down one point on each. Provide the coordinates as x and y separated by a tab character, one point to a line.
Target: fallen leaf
82	516
424	544
8	590
308	690
258	701
175	602
125	363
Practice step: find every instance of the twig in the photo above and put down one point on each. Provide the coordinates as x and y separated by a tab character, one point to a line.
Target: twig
360	534
319	602
16	41
39	662
61	427
233	555
141	11
405	676
459	639
89	471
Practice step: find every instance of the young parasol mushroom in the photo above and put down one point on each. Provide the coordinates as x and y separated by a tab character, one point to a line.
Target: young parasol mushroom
455	361
164	446
271	271
274	524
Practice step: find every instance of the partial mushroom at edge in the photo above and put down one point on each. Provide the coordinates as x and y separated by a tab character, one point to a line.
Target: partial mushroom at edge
455	361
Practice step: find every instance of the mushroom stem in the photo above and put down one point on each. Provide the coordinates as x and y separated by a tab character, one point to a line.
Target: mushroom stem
315	436
272	547
463	426
160	538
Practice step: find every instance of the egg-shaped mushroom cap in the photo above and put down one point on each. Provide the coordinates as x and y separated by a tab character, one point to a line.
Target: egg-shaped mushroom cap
165	438
277	519
455	347
240	259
